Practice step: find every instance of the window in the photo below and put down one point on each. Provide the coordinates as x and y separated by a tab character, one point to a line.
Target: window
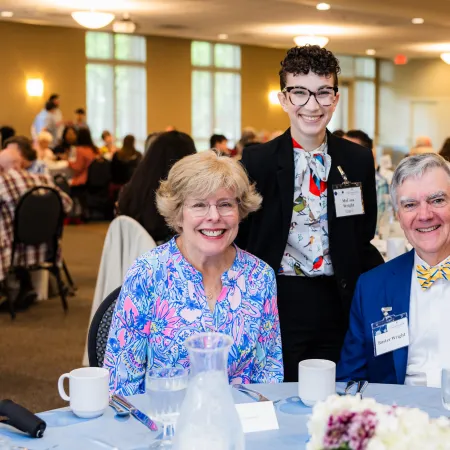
116	80
216	92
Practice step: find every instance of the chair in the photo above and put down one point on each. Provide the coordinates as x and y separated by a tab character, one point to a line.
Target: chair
38	219
125	241
61	181
98	200
99	329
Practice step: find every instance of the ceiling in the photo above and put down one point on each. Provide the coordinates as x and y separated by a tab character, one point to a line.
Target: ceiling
353	26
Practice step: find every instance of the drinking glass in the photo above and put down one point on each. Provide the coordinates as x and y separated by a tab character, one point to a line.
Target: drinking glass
165	388
445	388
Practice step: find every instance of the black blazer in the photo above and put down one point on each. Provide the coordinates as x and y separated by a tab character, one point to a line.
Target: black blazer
265	232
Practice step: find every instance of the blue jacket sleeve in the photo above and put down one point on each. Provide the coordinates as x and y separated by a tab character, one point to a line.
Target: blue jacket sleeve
353	362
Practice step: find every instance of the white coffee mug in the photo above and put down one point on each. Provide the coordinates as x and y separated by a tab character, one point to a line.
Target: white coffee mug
89	391
316	380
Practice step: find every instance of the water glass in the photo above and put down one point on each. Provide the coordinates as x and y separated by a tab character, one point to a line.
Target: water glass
445	388
165	388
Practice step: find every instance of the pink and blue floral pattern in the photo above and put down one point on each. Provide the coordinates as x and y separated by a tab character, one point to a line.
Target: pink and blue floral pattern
162	302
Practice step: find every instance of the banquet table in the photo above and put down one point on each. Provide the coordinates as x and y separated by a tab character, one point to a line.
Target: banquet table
65	431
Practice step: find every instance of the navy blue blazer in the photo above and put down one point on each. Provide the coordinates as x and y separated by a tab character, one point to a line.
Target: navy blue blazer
386	285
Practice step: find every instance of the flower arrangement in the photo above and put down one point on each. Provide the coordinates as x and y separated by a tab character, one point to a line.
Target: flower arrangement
352	423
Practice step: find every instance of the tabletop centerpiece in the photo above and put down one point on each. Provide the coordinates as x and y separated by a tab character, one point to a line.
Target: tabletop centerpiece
352	423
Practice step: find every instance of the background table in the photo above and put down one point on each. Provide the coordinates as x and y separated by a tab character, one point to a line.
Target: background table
67	432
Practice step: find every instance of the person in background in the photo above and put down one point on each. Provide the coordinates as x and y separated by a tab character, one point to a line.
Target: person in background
248	138
339	133
55	100
44	152
109	147
382	186
68	143
198	281
423	145
80	119
123	165
220	143
316	246
14	183
46	120
86	152
415	283
445	150
10	158
137	198
5	133
29	160
149	141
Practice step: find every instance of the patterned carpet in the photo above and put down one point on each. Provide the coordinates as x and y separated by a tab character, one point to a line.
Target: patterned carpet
43	342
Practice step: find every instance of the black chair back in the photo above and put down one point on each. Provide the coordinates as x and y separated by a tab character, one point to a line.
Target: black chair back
99	329
38	218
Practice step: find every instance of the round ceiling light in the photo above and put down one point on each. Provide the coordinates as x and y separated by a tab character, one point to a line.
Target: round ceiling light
92	19
445	57
321	41
371	51
417	21
323	6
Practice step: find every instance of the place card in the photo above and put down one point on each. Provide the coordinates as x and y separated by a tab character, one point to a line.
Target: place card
258	416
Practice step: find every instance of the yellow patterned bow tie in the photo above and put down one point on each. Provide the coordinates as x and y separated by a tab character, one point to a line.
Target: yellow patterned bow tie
428	275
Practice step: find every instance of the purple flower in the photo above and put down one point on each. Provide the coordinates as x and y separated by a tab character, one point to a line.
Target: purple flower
350	430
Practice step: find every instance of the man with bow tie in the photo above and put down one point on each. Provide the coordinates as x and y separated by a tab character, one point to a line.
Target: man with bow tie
319	211
399	321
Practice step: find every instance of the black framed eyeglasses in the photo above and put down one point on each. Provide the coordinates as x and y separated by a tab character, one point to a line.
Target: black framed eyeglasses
299	96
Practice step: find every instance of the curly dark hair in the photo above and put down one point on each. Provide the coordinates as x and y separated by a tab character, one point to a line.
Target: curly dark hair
309	58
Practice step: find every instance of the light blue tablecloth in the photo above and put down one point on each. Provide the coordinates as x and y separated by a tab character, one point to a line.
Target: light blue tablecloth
67	432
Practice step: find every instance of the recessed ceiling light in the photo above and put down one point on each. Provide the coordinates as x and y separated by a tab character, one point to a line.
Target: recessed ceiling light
323	6
417	21
6	14
370	51
222	36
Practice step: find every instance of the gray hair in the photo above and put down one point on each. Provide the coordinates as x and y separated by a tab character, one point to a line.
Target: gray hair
414	167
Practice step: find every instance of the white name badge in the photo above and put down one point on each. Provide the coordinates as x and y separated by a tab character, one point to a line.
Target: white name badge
390	334
258	416
348	199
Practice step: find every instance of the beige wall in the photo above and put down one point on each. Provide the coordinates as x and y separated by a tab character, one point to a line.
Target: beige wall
57	55
168	83
54	54
260	68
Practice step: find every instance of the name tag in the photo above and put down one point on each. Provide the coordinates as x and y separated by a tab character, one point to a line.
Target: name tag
348	199
259	416
390	334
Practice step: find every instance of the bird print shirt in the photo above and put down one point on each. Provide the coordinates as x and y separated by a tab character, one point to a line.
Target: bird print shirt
163	302
307	248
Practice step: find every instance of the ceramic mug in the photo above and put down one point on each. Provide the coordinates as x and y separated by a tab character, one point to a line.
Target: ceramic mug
88	389
316	380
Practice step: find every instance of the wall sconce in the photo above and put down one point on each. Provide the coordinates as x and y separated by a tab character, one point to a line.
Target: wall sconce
273	98
35	87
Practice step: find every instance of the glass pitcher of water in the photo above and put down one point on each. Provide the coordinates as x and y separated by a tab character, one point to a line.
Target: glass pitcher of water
208	418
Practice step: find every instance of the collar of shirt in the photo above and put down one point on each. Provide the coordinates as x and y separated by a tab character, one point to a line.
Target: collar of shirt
419	261
191	272
322	148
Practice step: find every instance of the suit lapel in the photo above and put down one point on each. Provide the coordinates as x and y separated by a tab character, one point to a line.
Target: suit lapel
334	176
285	177
399	289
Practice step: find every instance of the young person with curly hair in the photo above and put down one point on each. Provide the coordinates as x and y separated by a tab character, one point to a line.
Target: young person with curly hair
306	231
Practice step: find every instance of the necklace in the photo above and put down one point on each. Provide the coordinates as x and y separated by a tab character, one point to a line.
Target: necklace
209	296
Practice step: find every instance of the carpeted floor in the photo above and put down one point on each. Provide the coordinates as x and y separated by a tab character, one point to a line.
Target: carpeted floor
43	342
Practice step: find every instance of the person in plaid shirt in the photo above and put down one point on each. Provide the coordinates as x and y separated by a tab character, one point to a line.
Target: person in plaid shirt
14	182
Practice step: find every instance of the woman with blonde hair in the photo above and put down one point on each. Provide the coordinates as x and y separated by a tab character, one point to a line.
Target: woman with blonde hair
198	281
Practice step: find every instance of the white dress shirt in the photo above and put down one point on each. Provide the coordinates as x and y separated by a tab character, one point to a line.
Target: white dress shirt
429	331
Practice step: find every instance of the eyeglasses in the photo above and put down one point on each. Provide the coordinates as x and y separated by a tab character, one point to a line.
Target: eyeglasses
299	96
224	208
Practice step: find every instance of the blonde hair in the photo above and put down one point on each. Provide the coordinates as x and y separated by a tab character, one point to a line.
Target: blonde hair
200	176
45	136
